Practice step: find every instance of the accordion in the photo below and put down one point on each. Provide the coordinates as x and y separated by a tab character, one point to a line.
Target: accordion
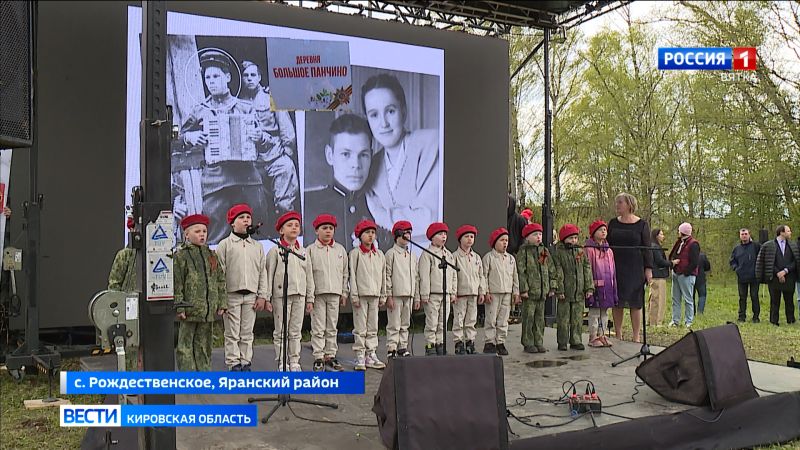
227	138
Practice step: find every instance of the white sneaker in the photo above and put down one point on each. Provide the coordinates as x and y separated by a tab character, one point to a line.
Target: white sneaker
295	367
373	362
673	324
360	363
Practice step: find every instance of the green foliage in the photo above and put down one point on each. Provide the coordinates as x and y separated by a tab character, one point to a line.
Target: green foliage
718	149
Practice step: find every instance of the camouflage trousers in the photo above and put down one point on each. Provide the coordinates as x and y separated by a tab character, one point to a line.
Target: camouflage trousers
194	346
533	323
570	322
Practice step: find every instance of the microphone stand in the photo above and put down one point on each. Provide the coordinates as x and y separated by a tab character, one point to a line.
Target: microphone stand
285	399
443	264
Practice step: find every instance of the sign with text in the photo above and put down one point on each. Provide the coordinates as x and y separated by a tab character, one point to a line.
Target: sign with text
160	239
707	58
308	75
158	415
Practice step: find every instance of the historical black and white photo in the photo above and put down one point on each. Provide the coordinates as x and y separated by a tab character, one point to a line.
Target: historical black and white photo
379	156
231	148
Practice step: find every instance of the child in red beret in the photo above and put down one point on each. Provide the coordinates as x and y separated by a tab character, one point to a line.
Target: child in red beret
329	260
245	266
199	280
431	291
537	280
300	290
574	286
368	293
470	291
500	270
402	288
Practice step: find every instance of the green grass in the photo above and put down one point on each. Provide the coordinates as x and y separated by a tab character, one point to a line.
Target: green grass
39	428
762	341
21	428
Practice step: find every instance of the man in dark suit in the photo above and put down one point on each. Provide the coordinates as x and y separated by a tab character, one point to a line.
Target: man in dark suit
776	266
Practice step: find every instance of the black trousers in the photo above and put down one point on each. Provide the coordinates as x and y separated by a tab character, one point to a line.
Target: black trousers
776	289
752	286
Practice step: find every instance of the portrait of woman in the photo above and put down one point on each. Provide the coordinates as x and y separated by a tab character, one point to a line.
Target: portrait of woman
406	178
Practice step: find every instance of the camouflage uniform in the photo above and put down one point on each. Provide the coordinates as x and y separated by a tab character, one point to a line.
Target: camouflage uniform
123	278
573	281
537	278
199	280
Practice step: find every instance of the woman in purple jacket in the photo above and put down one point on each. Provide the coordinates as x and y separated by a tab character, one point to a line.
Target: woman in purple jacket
604	273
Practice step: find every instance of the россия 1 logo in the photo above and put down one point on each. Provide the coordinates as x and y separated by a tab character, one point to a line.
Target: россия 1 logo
707	58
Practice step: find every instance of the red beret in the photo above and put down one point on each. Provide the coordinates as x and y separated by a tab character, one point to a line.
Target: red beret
194	219
531	228
567	231
237	210
287	216
363	226
595	225
401	225
464	229
527	213
324	219
436	228
496	234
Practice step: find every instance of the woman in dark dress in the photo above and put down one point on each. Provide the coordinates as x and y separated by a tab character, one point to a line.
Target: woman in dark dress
634	266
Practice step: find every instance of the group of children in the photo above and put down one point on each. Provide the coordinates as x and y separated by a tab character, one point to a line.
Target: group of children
238	280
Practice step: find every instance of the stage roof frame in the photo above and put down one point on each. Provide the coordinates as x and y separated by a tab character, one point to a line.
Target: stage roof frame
487	18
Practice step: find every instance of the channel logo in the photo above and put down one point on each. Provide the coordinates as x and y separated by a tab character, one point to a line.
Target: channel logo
707	58
91	415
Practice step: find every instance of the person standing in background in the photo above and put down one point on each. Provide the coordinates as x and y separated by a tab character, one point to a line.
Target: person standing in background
776	266
743	262
685	256
703	266
658	284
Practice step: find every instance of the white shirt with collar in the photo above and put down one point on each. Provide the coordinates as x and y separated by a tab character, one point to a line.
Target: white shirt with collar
245	265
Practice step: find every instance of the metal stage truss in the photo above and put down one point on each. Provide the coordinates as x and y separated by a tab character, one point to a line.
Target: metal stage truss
487	18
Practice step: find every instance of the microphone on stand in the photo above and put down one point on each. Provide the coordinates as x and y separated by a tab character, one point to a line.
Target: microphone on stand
254	229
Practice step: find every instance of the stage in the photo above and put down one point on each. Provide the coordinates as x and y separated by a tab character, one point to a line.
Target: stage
522	374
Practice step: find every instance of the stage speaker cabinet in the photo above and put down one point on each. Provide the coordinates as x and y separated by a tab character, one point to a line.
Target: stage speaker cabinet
443	402
16	76
704	368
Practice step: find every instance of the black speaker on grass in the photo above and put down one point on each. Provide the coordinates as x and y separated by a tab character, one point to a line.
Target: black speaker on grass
443	402
704	368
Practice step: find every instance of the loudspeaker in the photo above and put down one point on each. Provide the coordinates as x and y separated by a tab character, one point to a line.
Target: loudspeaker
443	402
16	77
704	368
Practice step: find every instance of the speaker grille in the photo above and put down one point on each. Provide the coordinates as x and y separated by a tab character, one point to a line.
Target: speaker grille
15	77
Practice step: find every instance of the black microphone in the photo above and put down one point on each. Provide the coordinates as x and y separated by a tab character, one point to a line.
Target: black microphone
254	229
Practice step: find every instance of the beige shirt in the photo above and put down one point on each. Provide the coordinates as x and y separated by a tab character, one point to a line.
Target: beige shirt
501	274
367	274
301	276
245	265
471	280
402	276
430	275
329	264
